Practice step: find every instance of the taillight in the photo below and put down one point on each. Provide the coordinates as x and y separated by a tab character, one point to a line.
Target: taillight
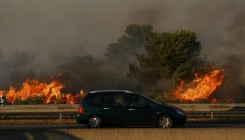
81	109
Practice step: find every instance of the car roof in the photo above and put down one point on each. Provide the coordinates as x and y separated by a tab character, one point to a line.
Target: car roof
111	91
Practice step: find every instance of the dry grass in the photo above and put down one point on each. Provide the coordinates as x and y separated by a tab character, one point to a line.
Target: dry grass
70	120
73	121
216	120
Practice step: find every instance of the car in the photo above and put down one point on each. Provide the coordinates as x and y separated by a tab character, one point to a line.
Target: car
126	108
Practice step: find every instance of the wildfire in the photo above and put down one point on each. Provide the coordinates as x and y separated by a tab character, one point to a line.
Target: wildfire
34	88
200	88
214	100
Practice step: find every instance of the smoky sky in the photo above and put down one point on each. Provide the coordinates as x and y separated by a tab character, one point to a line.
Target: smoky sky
46	28
81	27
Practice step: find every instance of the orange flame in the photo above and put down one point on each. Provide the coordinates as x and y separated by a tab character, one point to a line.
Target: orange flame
229	100
200	88
51	92
214	100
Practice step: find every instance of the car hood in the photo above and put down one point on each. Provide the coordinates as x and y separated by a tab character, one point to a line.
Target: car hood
171	106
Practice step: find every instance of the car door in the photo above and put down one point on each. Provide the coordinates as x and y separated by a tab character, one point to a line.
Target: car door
139	113
94	104
114	111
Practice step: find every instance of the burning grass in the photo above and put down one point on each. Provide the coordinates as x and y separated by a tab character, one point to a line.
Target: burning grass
200	88
35	92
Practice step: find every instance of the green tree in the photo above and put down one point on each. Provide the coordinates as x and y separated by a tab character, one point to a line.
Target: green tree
133	41
170	56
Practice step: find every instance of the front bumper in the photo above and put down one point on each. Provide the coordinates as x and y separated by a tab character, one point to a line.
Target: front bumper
180	120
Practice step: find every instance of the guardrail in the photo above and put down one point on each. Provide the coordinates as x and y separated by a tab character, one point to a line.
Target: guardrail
220	110
71	109
61	109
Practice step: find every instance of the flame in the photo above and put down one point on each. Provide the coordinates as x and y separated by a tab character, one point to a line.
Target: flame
214	100
229	100
35	88
200	88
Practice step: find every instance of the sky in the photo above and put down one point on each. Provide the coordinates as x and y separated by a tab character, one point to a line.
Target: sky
84	27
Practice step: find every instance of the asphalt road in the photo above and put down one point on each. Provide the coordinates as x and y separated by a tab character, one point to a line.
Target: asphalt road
81	132
76	132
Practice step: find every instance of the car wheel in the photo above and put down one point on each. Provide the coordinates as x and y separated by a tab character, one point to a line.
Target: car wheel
94	122
164	121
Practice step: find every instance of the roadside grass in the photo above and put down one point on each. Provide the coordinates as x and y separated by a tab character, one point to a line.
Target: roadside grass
215	120
73	121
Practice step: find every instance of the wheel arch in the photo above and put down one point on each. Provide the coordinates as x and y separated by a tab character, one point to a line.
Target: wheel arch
168	114
102	119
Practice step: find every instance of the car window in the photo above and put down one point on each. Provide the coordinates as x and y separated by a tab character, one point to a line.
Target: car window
114	100
95	100
135	100
150	103
151	100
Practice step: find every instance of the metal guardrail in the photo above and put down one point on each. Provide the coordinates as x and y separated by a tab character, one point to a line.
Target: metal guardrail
211	110
39	109
73	108
211	107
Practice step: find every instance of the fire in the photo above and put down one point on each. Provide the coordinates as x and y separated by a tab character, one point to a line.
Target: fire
200	88
229	100
214	100
34	88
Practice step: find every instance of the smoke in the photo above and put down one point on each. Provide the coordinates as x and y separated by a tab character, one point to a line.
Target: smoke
47	29
232	60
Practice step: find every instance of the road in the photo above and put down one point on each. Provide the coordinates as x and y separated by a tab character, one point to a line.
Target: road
80	132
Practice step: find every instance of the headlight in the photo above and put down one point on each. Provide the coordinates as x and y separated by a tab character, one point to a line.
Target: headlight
180	112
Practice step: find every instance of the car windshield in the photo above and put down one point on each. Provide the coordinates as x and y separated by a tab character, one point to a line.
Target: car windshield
150	99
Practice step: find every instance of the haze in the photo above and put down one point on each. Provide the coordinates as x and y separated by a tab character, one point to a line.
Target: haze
85	27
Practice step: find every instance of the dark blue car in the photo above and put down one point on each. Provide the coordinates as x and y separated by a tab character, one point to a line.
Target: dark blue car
126	108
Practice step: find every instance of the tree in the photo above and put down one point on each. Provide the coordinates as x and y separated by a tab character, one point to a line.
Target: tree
133	41
170	56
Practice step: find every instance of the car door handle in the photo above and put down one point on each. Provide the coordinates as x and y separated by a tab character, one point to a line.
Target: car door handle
131	109
106	108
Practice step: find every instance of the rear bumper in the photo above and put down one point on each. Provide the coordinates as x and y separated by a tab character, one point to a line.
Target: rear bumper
81	119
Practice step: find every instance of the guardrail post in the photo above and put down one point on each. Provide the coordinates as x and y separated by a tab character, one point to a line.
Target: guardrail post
5	116
212	115
60	116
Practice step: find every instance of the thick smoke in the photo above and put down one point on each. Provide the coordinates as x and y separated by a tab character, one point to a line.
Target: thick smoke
48	30
232	59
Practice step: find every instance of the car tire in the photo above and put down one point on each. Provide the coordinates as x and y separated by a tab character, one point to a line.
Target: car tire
94	122
165	121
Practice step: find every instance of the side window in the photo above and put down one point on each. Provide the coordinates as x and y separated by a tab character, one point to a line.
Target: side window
135	100
150	103
114	100
142	101
95	100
